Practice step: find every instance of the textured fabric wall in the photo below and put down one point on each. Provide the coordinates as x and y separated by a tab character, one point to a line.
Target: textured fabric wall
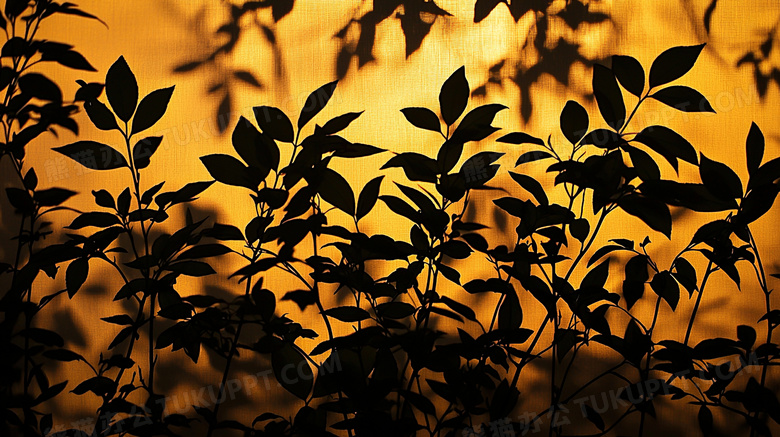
157	36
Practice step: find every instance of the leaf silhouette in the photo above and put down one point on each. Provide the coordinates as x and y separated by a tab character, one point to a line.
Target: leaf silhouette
683	98
574	121
229	171
335	190
122	89
454	96
100	115
143	151
315	102
673	64
668	144
754	146
338	124
151	109
76	275
93	155
288	365
654	213
482	8
629	73
720	179
608	96
520	138
423	118
274	123
532	186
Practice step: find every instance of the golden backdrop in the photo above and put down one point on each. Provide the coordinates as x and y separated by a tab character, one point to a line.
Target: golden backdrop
156	37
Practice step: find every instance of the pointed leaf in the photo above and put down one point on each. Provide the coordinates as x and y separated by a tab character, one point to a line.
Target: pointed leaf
720	179
368	197
335	190
608	96
151	109
630	74
122	89
755	148
275	123
315	102
574	121
144	149
454	96
422	118
683	98
673	64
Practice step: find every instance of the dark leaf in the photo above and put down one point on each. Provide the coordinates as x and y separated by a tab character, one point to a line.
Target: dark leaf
683	98
53	196
454	96
191	268
315	102
368	197
477	124
292	370
76	275
666	287
668	144
720	179
401	208
532	156
248	78
97	219
93	155
338	124
335	190
463	310
151	109
593	416
520	138
510	314
122	89
653	212
99	385
275	123
348	314
39	86
144	149
630	74
229	170
673	64
574	121
204	251
604	138
100	115
685	275
423	118
645	166
755	148
705	415
395	310
608	96
757	203
532	186
417	167
482	8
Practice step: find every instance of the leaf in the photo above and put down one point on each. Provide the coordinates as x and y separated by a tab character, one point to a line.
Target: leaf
348	314
757	203
479	169
685	274
315	102
477	124
754	146
629	73
288	365
143	151
93	155
422	118
666	287
335	190
532	156
76	275
653	212
645	166
593	416
608	96
532	186
248	78
574	121
747	336
99	385
401	208
151	109
122	89
463	310
668	144
338	124
100	115
368	197
705	415
53	196
191	268
204	251
416	167
121	320
454	96
482	8
510	314
229	170
520	138
636	276
683	98
719	179
395	310
68	58
39	86
98	219
673	64
449	155
275	123
604	138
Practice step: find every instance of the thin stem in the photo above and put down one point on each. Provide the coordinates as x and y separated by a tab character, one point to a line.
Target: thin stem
698	301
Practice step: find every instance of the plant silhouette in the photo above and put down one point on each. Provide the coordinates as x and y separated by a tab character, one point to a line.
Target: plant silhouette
403	353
